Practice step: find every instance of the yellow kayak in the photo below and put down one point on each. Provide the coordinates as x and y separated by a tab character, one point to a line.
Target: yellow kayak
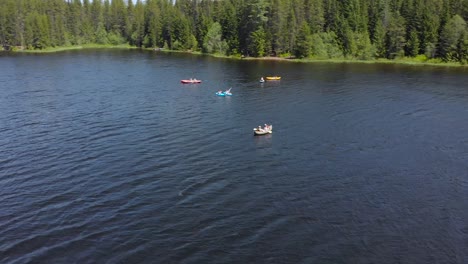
273	78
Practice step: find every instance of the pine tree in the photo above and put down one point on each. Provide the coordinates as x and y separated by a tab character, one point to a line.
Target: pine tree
429	32
276	27
229	27
395	37
254	16
202	25
291	29
181	34
315	15
106	13
303	42
153	37
452	36
364	50
137	33
8	22
257	44
213	40
462	48
378	40
332	14
118	17
412	45
130	23
74	21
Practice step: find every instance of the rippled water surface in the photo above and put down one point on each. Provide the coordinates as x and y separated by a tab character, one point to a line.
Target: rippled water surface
106	158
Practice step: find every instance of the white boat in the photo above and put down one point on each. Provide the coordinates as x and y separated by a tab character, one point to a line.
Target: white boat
258	131
190	81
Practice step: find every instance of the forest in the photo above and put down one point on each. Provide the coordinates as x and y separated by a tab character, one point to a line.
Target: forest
426	30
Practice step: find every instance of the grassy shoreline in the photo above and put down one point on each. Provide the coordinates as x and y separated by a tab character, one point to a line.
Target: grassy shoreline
403	61
77	47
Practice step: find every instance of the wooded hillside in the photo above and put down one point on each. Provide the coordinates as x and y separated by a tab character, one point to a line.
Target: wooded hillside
323	29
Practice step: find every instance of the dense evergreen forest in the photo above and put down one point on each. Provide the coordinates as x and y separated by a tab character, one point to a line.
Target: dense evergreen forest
433	30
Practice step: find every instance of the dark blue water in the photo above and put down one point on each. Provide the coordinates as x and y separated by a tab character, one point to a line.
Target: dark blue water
106	158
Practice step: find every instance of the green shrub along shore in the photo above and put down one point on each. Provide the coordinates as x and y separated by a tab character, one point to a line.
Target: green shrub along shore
420	60
421	32
77	47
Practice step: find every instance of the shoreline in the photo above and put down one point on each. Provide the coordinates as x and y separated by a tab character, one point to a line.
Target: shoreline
404	61
77	47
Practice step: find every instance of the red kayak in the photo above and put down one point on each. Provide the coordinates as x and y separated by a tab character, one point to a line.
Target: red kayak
190	81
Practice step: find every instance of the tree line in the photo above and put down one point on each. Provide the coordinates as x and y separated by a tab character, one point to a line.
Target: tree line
323	29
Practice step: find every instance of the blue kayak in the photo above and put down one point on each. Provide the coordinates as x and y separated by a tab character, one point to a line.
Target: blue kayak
220	94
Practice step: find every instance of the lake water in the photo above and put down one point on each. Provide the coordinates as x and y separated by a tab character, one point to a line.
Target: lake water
105	157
